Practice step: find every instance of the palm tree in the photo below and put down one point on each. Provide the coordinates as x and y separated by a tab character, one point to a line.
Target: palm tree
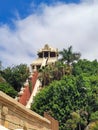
2	79
58	70
68	56
45	75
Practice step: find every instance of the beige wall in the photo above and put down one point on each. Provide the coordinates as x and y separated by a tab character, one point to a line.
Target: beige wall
14	115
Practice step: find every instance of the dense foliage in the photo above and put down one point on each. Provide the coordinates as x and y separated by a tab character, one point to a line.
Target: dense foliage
12	78
85	66
8	89
73	100
16	75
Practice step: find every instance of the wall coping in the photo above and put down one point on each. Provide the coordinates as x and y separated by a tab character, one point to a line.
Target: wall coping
8	101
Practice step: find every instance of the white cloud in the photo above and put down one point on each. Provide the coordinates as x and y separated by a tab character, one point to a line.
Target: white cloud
59	25
89	1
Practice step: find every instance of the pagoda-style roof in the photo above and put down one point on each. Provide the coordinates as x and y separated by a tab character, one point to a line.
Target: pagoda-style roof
48	48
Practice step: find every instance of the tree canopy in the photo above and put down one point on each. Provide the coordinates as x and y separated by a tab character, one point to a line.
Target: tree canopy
16	75
12	79
8	89
73	99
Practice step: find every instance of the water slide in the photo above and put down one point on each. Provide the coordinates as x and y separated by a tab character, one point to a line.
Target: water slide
36	87
34	92
44	62
25	92
25	97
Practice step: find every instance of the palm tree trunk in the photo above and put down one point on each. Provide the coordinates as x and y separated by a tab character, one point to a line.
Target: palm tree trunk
79	127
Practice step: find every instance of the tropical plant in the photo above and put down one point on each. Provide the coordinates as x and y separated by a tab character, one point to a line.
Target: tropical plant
74	93
74	121
8	89
16	75
68	56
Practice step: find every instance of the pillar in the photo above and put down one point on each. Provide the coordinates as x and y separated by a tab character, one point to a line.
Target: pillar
4	113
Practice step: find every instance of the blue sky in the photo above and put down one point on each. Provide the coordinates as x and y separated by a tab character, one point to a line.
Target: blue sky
10	8
27	25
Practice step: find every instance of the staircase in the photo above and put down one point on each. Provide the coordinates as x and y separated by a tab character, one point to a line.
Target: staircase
25	96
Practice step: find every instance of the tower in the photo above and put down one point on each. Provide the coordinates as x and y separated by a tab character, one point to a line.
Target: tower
46	56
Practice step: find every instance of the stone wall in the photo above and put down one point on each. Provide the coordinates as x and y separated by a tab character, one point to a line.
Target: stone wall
14	115
54	123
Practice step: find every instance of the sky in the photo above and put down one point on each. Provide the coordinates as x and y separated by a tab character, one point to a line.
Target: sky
27	25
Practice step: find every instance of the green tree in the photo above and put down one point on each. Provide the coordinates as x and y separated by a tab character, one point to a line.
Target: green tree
8	89
45	75
68	56
76	93
66	96
85	66
16	75
58	98
94	116
53	72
